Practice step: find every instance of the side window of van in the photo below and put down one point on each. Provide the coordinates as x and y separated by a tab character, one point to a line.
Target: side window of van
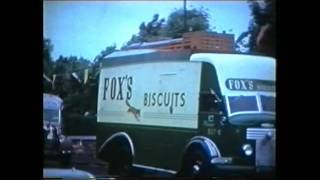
208	103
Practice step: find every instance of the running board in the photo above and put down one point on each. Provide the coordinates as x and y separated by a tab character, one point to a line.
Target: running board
154	170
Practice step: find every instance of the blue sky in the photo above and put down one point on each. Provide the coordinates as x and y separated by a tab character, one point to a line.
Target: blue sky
84	28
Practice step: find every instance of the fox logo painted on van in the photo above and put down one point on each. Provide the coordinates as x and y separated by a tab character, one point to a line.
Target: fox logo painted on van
133	110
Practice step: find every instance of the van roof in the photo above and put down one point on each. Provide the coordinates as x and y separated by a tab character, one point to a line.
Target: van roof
144	55
129	53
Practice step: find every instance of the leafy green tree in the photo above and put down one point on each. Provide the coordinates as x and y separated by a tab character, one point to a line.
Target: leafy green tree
108	50
151	31
65	85
158	29
196	20
47	63
47	59
260	36
91	87
152	28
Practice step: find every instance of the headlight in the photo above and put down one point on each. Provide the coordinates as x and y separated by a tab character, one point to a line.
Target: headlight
247	149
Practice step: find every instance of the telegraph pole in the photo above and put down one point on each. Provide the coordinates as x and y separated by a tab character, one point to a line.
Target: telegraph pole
185	14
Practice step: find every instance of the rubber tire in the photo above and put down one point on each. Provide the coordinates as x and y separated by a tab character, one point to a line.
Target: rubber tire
195	155
120	160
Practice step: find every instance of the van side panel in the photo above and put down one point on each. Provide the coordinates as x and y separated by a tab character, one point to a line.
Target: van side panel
154	146
156	104
155	94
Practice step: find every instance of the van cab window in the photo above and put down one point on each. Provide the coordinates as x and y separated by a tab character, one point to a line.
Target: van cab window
268	103
209	103
242	103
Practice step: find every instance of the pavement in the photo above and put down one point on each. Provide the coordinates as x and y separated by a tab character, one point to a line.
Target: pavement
83	158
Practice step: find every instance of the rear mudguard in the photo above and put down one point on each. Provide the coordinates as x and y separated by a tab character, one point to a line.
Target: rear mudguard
118	147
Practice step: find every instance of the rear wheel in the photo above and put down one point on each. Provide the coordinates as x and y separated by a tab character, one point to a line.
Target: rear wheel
118	152
120	160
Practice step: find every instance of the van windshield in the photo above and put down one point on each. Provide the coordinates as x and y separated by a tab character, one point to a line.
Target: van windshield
242	103
268	103
245	110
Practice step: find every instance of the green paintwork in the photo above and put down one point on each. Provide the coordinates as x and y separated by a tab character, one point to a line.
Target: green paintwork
154	146
163	147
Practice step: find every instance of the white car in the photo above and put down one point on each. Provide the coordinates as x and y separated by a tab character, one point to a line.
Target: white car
68	174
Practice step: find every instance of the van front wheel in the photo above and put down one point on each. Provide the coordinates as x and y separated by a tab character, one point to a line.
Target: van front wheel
194	163
196	159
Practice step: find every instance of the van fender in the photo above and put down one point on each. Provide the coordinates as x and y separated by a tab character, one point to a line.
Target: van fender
117	148
207	144
197	156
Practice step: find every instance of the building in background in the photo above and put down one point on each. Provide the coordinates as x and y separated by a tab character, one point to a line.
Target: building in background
198	41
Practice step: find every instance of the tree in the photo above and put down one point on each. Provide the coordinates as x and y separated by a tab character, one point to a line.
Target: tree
196	20
150	32
90	89
260	36
152	28
97	60
155	30
108	50
47	63
65	83
47	59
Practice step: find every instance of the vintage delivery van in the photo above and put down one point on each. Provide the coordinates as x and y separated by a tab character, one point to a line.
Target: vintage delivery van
56	145
187	114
